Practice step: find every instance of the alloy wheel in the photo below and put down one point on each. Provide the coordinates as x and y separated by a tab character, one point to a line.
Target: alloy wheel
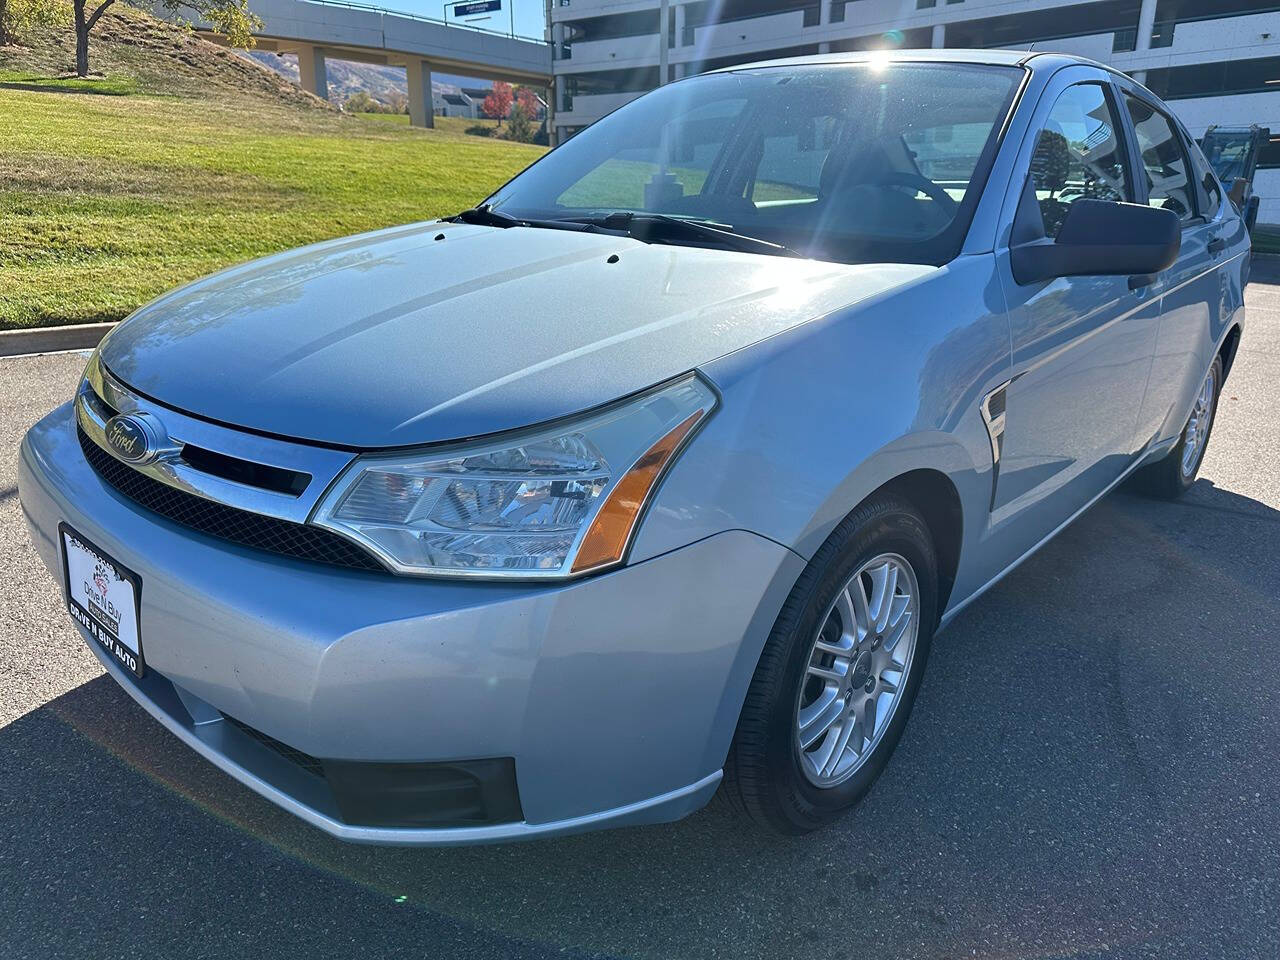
857	670
1197	431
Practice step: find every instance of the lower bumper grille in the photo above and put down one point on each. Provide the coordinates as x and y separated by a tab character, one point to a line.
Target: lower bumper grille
303	761
462	793
227	523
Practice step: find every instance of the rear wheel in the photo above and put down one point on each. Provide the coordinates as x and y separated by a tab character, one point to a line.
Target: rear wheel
1173	475
839	673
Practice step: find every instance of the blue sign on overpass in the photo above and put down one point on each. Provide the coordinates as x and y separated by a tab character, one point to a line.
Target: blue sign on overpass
476	7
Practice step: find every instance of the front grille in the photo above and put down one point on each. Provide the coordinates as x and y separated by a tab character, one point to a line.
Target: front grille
249	529
304	761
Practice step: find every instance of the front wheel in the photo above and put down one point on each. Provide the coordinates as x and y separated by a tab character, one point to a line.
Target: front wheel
1173	475
839	673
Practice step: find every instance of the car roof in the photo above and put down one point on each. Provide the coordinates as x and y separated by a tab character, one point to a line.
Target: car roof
1008	58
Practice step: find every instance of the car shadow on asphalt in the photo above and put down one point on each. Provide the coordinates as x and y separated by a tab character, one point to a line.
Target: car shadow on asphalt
1074	730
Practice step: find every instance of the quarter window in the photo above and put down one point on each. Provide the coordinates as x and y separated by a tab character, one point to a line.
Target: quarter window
1164	159
1078	155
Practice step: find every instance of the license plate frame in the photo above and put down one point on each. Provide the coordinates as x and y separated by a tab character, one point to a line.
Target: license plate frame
107	602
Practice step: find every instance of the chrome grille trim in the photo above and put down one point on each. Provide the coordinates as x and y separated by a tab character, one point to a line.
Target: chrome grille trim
100	395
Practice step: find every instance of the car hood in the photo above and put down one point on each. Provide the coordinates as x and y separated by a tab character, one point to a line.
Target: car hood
444	331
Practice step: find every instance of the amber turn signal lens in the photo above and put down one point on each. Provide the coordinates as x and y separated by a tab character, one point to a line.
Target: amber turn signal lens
606	539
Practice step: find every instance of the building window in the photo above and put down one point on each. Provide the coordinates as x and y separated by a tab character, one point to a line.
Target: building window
1215	79
1269	155
926	4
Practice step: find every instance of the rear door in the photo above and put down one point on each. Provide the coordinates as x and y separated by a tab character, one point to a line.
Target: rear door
1192	290
1082	346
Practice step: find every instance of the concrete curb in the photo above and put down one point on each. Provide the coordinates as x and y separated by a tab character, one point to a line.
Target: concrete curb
79	336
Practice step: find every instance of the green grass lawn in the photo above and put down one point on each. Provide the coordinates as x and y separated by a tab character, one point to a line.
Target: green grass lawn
109	195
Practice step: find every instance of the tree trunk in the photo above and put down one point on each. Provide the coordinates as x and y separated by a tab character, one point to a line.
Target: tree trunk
82	40
4	29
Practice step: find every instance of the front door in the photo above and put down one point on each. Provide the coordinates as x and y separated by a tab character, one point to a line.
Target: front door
1082	346
1192	289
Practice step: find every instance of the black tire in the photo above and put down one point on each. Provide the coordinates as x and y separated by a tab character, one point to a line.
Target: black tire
763	778
1165	479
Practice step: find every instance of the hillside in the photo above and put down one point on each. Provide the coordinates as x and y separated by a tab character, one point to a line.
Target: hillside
184	158
345	77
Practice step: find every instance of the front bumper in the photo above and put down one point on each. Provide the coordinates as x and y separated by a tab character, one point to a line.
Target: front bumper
616	695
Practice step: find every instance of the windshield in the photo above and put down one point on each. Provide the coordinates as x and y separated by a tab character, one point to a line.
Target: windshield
1228	153
852	162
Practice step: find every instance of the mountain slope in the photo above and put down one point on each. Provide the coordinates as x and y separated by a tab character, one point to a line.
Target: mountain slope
346	78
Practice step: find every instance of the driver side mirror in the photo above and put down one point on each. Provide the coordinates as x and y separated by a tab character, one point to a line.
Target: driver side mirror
1101	238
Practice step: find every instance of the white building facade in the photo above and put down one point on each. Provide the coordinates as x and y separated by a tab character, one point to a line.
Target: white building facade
1215	61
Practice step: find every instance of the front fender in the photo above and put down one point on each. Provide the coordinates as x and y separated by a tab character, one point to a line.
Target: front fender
816	419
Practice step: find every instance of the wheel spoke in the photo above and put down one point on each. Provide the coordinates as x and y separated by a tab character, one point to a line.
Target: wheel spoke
856	595
827	749
817	718
869	712
884	580
884	702
897	632
841	648
837	752
836	672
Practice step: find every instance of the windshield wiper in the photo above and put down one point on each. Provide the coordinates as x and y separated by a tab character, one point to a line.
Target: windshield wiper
651	227
485	216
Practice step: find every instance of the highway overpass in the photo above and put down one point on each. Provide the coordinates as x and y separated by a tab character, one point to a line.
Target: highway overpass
318	29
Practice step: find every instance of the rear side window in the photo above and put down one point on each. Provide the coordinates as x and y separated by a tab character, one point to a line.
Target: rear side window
1206	183
1078	155
1170	184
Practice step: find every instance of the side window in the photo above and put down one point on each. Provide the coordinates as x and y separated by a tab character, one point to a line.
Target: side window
791	161
1206	183
1078	155
1170	183
635	178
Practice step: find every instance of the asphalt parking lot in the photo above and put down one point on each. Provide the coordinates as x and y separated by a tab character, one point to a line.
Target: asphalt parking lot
1092	770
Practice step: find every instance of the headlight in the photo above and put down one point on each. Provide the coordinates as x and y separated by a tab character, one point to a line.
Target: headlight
548	503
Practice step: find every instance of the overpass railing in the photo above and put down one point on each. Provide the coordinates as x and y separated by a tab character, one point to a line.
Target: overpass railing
438	21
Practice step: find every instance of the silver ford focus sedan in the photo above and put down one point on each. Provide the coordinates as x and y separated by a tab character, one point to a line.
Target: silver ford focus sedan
656	473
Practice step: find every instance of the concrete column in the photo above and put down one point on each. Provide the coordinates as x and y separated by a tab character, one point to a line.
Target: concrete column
824	16
311	71
680	25
664	40
824	46
557	40
421	109
1146	23
939	39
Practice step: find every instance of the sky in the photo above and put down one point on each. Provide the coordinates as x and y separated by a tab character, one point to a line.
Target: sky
530	16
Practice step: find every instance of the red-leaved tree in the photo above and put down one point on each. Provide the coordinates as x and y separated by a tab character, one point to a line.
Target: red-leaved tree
529	100
497	104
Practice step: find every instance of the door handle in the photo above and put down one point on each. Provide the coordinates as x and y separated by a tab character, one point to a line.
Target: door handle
1216	245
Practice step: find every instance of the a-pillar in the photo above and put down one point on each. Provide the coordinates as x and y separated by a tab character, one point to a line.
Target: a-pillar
421	106
311	71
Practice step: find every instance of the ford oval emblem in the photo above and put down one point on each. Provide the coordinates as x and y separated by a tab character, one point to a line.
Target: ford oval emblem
134	438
